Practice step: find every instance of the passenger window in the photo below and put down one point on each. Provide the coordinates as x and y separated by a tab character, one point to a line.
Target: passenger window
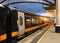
21	20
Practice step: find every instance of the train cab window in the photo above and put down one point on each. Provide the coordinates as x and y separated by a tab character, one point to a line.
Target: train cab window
21	20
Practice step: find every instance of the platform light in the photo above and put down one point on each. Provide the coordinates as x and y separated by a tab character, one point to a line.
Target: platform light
45	19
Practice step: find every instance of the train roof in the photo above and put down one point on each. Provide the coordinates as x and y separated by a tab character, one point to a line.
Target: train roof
1	5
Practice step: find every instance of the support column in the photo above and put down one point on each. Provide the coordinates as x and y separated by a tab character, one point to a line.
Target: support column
57	16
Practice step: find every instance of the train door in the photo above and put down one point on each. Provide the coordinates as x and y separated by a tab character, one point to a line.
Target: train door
14	17
21	23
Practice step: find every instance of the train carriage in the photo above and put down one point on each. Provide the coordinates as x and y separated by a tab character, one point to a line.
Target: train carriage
14	23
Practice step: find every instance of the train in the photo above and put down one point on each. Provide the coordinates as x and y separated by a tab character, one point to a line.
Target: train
14	22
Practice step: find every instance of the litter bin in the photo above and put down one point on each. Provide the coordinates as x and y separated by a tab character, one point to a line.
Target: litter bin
57	29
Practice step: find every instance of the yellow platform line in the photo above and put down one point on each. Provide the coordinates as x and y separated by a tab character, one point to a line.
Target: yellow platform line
43	36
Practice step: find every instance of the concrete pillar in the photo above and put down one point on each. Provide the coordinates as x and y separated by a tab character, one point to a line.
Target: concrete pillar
57	16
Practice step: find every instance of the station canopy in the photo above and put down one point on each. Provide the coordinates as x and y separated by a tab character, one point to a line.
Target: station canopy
10	1
32	8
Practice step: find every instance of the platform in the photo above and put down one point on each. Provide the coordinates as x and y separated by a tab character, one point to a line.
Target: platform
50	36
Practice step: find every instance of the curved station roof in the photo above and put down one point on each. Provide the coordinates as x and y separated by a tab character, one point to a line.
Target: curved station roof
33	8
